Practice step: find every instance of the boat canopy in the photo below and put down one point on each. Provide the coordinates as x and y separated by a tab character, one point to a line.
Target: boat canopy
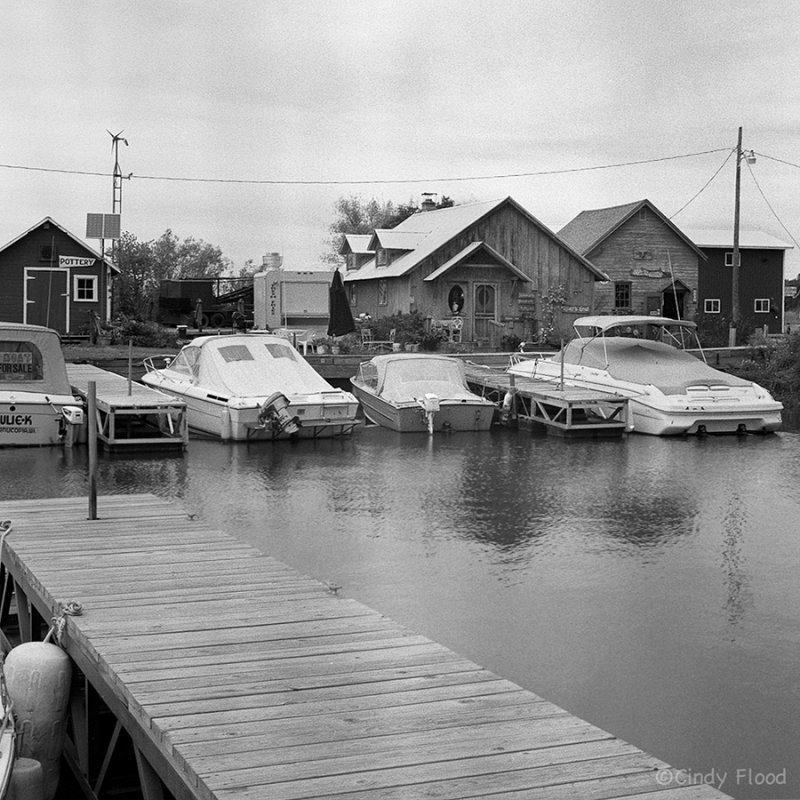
405	377
31	360
247	365
646	362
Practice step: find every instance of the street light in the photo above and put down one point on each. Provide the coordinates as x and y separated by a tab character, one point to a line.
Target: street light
750	157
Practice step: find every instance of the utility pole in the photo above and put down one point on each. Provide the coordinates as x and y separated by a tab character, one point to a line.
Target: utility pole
735	311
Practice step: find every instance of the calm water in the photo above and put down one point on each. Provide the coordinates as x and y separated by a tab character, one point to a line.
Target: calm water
647	585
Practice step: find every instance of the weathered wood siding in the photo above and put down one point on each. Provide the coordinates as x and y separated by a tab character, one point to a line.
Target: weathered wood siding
538	255
648	254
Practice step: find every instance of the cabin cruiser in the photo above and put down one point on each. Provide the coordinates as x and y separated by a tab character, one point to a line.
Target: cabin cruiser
420	392
37	405
252	386
671	391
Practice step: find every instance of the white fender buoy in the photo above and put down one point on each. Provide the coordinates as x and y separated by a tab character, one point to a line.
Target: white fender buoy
27	780
38	676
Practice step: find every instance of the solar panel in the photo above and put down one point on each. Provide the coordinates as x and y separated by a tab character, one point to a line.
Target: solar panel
103	226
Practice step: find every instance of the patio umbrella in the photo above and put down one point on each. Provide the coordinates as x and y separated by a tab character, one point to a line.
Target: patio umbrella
340	319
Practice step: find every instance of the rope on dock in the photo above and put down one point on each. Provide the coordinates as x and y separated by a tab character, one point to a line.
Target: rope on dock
70	609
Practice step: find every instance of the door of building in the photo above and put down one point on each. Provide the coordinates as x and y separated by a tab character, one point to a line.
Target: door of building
485	313
47	298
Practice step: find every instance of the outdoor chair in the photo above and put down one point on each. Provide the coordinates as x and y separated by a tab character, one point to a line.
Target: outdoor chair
369	343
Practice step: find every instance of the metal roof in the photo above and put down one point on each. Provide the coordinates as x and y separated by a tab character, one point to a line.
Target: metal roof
748	239
434	229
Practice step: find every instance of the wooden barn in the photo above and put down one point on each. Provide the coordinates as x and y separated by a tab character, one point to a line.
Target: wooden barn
652	265
50	277
490	267
761	280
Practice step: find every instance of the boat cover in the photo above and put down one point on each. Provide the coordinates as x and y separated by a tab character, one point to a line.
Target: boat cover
405	377
31	360
247	365
646	362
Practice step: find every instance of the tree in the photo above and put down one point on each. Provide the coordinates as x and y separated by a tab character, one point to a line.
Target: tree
354	216
143	265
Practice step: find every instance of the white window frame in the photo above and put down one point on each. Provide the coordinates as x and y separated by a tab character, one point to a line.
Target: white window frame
94	287
711	305
729	258
761	305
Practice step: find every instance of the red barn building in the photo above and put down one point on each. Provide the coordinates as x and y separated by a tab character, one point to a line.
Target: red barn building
49	277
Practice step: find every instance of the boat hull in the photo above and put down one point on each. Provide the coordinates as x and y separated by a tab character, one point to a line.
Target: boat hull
321	415
730	410
28	419
453	415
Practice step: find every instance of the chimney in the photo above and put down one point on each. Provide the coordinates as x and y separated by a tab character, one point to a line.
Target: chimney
428	203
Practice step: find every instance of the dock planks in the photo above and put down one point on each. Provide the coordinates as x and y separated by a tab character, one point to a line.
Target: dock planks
130	414
237	677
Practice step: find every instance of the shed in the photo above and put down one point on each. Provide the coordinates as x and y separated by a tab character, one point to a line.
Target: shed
52	278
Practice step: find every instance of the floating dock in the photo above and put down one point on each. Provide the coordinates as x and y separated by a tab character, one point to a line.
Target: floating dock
222	673
129	414
563	410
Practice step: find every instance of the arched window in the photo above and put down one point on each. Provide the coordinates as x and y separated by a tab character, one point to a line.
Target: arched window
455	300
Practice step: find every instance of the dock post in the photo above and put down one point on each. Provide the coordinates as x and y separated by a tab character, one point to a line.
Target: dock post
91	441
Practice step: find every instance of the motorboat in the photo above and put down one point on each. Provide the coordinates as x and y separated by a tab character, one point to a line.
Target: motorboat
37	405
420	392
646	359
252	386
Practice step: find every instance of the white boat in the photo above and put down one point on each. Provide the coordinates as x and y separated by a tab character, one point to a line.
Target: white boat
670	390
420	392
252	386
36	401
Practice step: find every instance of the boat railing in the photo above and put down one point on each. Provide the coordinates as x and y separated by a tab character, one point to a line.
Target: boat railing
156	362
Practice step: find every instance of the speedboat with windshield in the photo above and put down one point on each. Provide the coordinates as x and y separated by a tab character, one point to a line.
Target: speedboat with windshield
671	391
252	386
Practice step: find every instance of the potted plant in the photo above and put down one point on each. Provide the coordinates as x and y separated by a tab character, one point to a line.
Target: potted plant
320	344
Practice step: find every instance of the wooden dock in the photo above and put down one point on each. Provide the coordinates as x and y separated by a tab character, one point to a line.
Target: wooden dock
129	414
563	410
229	675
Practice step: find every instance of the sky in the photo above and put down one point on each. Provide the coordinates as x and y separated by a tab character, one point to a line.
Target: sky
246	120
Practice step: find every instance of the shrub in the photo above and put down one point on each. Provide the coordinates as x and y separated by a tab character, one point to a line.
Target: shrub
124	329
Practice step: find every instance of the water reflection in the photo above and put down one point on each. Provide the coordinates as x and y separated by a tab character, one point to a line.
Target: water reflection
617	578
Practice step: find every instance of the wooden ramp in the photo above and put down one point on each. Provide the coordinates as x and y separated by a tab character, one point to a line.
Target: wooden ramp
230	675
129	414
565	411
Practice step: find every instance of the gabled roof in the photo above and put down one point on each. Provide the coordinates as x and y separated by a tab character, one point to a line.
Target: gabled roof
394	239
65	231
748	240
458	258
592	227
355	243
433	229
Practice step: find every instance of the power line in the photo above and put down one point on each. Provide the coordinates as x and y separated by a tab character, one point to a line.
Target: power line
779	160
300	182
705	185
769	206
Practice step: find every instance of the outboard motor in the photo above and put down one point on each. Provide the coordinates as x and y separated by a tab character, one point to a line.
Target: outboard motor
429	405
69	424
274	414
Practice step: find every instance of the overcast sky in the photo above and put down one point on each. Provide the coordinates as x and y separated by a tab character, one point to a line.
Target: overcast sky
415	96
